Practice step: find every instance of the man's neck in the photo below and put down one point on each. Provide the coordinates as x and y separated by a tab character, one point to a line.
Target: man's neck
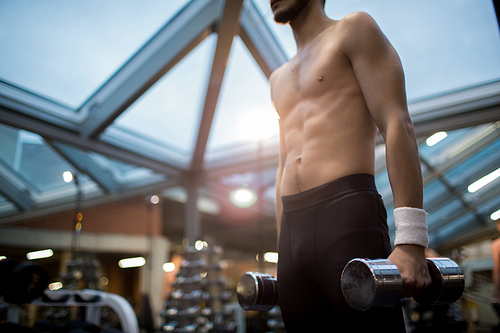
309	24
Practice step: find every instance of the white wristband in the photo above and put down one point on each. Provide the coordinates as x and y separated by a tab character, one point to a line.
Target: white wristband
411	226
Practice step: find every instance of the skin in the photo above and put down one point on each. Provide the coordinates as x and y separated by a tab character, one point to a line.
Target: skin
495	250
345	82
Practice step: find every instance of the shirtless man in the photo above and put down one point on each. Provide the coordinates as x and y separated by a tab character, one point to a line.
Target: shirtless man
345	81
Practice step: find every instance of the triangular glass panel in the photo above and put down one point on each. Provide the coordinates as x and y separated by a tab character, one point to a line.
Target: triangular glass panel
66	50
167	114
244	113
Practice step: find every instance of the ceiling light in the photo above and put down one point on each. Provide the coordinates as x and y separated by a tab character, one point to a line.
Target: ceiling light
435	138
479	184
271	257
243	197
67	176
168	267
39	254
132	262
155	199
55	286
104	281
199	245
495	216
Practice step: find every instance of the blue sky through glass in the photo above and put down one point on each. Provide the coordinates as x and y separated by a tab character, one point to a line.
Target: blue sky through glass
67	49
169	111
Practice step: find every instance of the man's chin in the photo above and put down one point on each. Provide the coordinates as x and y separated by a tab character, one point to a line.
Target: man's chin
281	19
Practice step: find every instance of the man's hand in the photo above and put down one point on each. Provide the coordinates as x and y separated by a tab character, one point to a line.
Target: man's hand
411	263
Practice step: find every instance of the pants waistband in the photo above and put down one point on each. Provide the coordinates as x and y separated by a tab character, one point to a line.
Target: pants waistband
329	191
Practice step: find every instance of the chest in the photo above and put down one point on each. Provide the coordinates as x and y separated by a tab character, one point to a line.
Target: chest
313	74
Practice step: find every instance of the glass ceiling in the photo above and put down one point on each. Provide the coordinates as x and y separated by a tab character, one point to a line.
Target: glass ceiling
118	93
67	50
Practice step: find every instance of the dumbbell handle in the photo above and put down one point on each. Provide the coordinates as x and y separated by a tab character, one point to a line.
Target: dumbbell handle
377	283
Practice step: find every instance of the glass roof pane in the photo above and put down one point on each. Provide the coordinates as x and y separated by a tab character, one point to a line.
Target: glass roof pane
6	207
444	213
168	112
126	174
244	112
383	185
34	161
434	151
490	207
67	49
444	45
484	161
434	192
461	226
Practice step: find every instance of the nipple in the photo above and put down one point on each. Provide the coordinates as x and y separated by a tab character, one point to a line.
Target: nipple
321	78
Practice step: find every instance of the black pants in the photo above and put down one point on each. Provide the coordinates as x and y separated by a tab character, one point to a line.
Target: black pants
321	230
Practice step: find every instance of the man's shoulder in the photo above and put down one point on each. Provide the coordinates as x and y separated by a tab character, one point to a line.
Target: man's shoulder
357	24
360	32
358	19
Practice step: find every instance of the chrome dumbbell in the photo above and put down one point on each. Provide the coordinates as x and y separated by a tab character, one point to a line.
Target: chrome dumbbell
377	283
257	291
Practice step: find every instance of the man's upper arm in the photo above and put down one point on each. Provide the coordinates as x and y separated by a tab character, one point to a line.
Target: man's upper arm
377	67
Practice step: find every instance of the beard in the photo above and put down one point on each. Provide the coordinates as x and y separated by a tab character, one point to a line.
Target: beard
285	15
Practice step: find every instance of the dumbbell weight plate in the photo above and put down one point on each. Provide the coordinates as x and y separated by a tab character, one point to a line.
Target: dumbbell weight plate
257	292
367	283
448	282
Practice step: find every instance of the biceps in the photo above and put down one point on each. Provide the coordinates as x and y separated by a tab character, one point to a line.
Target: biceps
380	76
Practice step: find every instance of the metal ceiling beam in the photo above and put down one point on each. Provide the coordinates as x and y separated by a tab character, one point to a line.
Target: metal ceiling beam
455	155
496	4
38	107
259	40
54	132
458	232
14	188
466	108
483	232
463	151
456	193
176	39
227	28
78	158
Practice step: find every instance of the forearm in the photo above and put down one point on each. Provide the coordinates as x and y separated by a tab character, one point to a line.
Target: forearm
405	176
403	165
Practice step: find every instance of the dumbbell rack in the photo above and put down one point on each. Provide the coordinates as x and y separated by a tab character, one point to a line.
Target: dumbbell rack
199	302
83	269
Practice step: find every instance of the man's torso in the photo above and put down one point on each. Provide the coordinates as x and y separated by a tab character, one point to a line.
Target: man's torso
328	130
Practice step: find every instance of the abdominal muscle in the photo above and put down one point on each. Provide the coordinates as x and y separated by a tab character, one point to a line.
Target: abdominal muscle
325	152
